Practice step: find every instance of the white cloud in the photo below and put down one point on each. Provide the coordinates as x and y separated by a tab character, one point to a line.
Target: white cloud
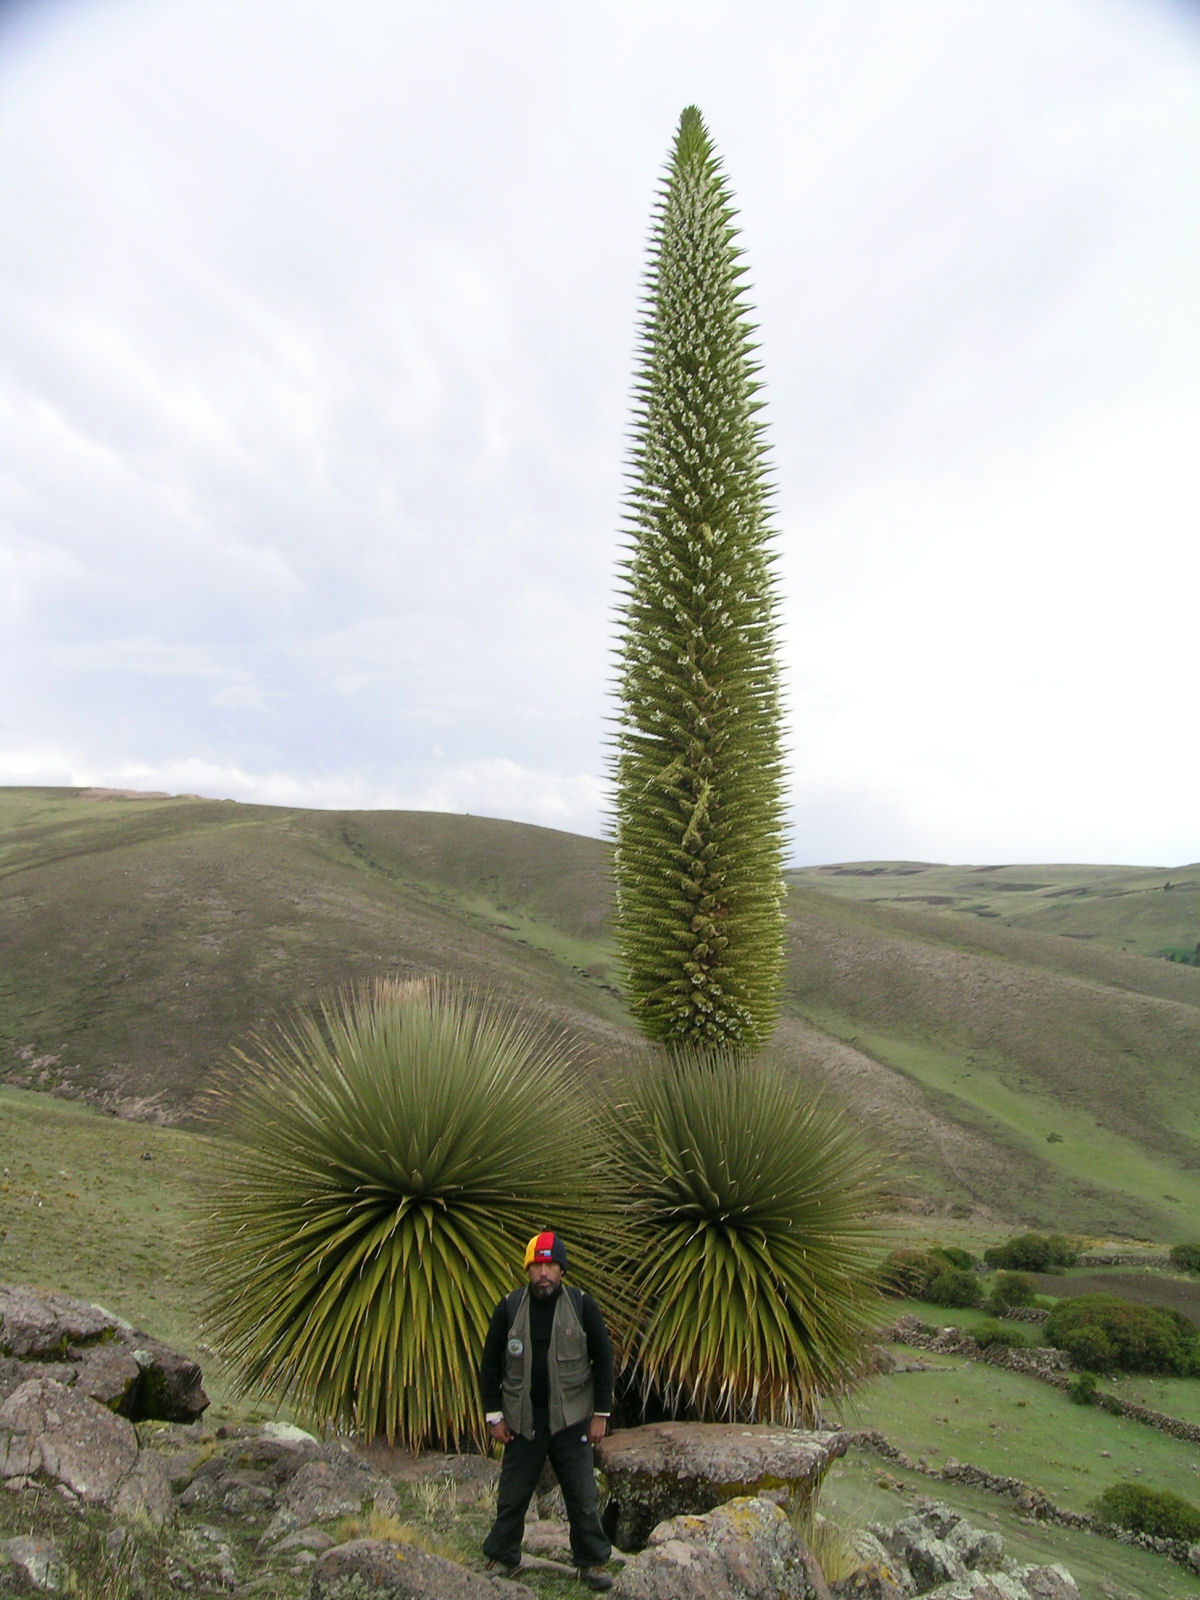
315	340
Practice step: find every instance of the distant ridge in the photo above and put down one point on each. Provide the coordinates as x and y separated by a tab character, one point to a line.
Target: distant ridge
1003	1032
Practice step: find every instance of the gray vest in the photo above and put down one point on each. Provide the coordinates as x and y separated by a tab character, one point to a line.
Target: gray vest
572	1395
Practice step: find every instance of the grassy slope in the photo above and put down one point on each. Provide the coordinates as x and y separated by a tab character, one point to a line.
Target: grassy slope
1140	909
1009	1074
140	939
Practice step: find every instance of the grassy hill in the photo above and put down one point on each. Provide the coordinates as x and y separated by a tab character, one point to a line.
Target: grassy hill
1009	1041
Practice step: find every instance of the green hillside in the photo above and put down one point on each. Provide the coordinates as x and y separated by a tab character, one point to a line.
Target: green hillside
1147	910
1019	1068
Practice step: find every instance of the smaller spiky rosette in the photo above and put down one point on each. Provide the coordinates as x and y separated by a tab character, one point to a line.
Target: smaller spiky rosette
387	1163
750	1257
698	743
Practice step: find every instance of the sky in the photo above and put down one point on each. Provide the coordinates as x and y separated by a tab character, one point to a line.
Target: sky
317	329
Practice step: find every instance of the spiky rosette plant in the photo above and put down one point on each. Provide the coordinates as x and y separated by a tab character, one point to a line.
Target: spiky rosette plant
749	1254
699	773
388	1161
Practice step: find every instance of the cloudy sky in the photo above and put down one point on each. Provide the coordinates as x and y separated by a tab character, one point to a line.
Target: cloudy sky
316	332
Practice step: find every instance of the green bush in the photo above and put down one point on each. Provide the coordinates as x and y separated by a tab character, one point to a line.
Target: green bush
1186	1257
1082	1390
1032	1252
954	1257
908	1273
988	1334
1154	1511
911	1273
1012	1289
953	1287
1102	1333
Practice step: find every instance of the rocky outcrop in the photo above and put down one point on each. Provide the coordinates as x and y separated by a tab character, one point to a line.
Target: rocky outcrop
671	1469
939	1555
85	1348
746	1549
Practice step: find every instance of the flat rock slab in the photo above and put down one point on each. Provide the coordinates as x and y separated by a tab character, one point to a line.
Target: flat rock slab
387	1571
670	1469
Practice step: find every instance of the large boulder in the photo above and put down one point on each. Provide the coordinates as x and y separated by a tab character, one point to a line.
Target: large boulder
387	1571
54	1434
669	1469
746	1549
82	1346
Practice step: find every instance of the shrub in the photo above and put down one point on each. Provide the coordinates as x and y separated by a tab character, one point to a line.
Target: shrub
1186	1257
909	1273
748	1254
1154	1511
1012	1289
1101	1332
953	1287
1082	1390
388	1161
988	1334
912	1273
954	1257
1032	1252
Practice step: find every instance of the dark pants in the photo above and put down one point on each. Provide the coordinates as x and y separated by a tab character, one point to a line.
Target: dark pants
571	1457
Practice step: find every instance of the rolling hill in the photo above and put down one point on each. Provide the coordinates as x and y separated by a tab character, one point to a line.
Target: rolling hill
1005	1034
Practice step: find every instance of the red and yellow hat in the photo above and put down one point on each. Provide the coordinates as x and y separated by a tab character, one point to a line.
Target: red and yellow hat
546	1247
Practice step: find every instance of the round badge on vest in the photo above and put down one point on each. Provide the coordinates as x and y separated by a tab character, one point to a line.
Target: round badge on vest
515	1347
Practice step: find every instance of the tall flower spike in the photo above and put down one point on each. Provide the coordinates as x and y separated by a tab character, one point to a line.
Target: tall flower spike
697	749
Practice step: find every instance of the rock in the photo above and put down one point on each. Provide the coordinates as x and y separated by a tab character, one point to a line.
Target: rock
170	1386
109	1374
39	1323
334	1484
666	1469
1026	1583
388	1571
876	1581
46	1334
35	1559
50	1430
1048	1583
146	1492
746	1549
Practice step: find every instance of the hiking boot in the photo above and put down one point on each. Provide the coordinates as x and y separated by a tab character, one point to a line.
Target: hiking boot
595	1578
501	1569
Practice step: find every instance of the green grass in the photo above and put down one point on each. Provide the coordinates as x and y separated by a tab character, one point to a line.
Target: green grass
1094	1173
102	1209
1017	1427
861	1489
1127	908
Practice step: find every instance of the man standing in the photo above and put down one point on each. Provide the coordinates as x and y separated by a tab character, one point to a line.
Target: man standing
547	1378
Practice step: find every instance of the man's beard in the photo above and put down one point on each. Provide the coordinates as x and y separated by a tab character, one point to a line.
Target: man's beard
543	1291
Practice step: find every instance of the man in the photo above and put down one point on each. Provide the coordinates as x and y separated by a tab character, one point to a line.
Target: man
547	1378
